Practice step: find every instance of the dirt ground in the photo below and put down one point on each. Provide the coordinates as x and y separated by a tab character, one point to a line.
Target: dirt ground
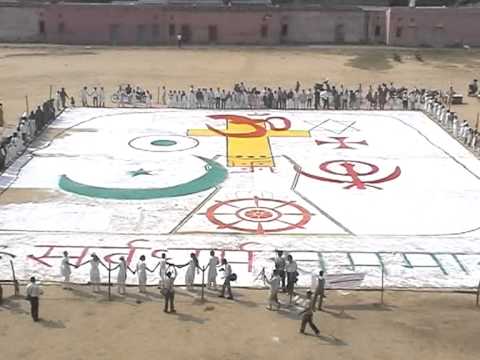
78	326
31	70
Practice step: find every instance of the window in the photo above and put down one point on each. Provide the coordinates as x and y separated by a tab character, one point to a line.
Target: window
398	33
41	27
171	30
264	31
284	30
155	31
377	30
61	28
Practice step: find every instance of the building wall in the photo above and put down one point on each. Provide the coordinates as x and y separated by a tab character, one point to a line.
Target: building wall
255	25
332	26
436	27
376	26
156	24
18	23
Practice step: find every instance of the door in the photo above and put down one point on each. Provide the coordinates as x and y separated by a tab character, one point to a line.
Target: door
339	33
186	33
141	30
114	34
212	34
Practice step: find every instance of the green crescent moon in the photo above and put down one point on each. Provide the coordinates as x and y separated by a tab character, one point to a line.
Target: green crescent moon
215	175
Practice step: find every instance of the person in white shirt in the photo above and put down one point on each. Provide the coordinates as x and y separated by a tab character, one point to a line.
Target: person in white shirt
274	284
65	270
212	271
226	283
163	269
94	271
141	271
319	290
193	267
121	275
279	261
291	269
33	295
101	97
84	96
94	96
169	290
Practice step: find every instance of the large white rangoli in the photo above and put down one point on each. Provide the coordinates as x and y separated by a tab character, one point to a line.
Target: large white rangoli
344	191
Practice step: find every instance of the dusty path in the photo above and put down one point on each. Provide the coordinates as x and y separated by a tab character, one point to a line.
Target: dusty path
79	326
30	70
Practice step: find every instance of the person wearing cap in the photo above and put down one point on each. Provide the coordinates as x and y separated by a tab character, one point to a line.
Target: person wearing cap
33	295
307	315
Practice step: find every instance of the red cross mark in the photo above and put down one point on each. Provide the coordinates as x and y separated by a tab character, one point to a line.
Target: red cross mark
342	144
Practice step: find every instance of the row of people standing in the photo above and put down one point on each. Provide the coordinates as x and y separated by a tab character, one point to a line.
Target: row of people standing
440	111
95	97
27	129
167	273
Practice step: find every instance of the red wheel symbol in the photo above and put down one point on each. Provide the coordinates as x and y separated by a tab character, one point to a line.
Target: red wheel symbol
258	215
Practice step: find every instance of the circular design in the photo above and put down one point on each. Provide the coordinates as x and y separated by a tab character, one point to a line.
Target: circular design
258	215
163	143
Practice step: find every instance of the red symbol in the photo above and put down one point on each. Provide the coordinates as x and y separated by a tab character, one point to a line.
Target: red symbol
257	130
350	169
342	144
258	215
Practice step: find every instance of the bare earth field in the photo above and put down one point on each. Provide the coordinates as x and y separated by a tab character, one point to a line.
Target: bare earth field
30	70
77	325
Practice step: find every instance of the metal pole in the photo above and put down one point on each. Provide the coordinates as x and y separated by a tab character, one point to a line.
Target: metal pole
16	285
478	294
203	284
51	90
383	283
158	95
26	103
109	281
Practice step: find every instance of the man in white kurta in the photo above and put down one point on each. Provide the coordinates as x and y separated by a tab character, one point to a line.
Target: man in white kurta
142	274
122	276
213	262
65	270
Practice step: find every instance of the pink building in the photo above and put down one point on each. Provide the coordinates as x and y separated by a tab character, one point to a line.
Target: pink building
159	24
435	27
260	24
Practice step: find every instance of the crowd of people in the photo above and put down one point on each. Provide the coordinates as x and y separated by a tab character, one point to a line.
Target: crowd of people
282	280
437	106
29	126
129	95
321	96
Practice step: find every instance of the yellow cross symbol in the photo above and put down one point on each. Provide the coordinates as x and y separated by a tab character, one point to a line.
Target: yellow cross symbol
248	143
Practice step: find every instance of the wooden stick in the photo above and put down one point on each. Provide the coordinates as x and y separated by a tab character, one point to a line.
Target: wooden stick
15	282
109	281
